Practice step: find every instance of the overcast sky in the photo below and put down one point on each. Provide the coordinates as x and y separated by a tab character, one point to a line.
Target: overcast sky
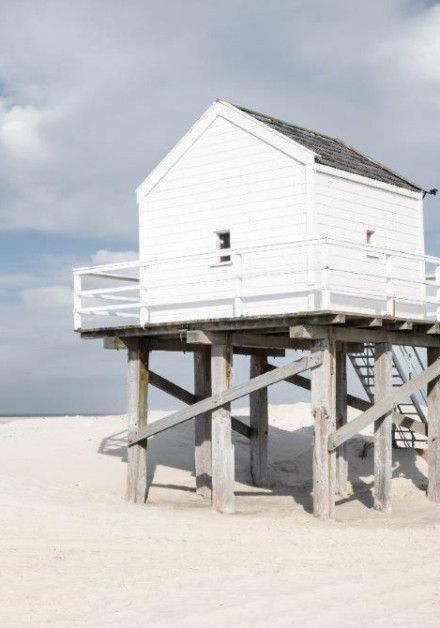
93	94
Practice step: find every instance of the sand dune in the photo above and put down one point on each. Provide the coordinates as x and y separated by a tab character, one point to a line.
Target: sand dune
75	554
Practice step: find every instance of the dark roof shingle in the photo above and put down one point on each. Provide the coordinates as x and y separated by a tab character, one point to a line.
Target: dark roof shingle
335	153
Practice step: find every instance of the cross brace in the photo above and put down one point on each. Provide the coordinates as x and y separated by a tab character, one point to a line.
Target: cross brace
226	396
382	407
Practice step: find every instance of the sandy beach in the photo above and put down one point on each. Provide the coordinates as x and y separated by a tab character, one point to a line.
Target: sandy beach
74	553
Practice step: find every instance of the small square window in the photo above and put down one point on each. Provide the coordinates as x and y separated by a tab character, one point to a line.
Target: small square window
370	237
224	242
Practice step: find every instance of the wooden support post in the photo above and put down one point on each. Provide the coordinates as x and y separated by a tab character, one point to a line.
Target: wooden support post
341	418
434	432
383	428
202	425
323	384
138	353
222	448
258	423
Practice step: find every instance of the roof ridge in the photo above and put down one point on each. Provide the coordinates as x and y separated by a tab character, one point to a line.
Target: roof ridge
297	126
377	163
266	119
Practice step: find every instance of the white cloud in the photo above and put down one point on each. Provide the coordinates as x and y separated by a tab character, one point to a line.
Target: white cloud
47	298
111	257
21	135
411	53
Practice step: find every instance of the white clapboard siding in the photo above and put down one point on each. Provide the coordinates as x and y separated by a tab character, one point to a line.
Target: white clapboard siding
347	208
227	180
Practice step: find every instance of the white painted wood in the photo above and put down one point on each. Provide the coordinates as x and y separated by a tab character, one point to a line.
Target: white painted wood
77	301
222	111
287	277
373	183
223	464
323	387
202	424
383	386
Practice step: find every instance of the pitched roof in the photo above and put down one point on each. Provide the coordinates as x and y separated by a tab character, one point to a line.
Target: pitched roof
333	152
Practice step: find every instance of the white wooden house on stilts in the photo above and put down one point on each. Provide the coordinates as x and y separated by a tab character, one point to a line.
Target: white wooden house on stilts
257	237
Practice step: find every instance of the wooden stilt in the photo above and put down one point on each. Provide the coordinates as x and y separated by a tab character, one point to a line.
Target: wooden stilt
202	425
383	429
138	354
258	423
222	447
341	418
434	432
323	384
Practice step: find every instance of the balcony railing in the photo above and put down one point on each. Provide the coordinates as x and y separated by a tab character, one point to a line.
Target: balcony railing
306	275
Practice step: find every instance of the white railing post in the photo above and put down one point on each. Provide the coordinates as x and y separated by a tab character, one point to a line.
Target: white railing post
390	300
77	301
237	265
311	278
325	288
144	311
423	286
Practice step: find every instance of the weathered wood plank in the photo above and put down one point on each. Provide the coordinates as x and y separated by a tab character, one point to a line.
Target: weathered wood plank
382	429
137	393
177	345
114	344
189	398
341	417
383	406
434	431
352	334
324	416
202	424
259	422
221	398
366	322
185	347
321	319
399	326
361	404
411	424
171	388
223	471
242	340
240	427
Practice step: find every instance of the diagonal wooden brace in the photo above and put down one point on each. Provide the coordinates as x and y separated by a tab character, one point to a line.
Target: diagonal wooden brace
227	396
383	406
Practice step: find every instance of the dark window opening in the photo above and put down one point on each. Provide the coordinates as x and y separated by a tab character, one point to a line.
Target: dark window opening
224	242
370	237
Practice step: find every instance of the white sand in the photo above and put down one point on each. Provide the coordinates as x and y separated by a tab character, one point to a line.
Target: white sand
73	553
